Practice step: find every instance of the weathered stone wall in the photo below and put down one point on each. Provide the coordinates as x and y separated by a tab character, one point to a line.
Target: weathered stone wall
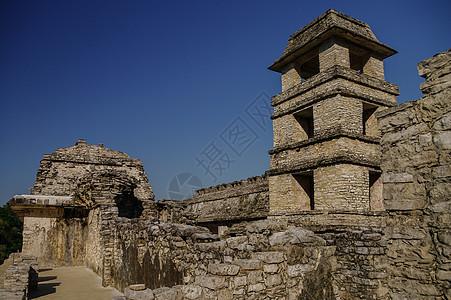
345	259
54	228
235	201
56	241
342	186
251	260
416	147
416	142
418	253
94	244
359	245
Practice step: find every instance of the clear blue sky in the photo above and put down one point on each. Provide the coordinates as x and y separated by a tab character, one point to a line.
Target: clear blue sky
163	80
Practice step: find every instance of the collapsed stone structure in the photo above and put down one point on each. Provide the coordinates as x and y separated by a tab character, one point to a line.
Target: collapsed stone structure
334	217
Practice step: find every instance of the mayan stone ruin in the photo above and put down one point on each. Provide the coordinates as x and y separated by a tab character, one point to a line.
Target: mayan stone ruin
356	203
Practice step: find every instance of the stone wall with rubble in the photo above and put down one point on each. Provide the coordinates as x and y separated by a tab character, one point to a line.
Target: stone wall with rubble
416	147
250	260
310	255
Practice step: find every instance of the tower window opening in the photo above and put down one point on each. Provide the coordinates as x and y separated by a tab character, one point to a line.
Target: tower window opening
303	189
357	58
304	120
369	120
309	68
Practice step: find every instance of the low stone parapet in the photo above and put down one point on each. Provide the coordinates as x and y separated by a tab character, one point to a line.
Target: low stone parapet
291	256
20	277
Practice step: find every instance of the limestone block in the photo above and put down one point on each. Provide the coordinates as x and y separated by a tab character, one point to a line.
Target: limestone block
225	294
211	282
254	277
397	177
165	293
443	123
238	292
240	281
188	230
248	264
272	257
441	171
237	242
191	291
443	140
442	207
138	294
273	280
258	287
204	236
296	236
223	269
299	270
444	275
271	268
214	246
444	237
137	287
260	226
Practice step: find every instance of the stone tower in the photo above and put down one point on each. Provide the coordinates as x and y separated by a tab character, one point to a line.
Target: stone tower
326	152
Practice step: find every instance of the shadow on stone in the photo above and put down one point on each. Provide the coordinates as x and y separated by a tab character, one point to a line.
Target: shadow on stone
129	206
46	278
44	289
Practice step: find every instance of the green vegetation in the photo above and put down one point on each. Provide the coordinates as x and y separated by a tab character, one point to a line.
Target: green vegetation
10	232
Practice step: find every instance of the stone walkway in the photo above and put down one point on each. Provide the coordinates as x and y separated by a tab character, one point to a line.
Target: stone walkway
71	283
